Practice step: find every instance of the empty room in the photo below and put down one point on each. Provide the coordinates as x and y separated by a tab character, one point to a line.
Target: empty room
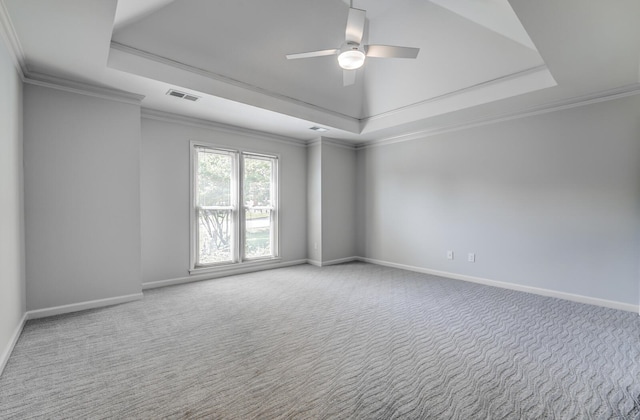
337	209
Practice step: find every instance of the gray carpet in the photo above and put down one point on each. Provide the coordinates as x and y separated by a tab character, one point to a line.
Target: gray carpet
349	341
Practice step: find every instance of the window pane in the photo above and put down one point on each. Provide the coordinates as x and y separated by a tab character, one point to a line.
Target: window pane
215	225
257	233
257	181
214	179
258	199
215	228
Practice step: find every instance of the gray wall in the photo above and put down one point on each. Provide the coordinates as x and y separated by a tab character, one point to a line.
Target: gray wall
314	202
338	201
549	201
331	201
82	197
165	193
12	284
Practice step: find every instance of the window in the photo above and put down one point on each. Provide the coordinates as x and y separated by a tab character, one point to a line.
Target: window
234	207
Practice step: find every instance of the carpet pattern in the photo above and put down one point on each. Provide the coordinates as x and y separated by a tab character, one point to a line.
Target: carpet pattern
354	341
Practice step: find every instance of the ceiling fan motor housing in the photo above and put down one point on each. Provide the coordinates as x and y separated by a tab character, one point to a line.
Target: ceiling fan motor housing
351	56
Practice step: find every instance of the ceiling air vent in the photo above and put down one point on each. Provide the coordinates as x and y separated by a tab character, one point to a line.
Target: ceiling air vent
178	94
318	129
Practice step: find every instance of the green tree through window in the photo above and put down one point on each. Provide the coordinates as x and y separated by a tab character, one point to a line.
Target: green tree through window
257	189
214	206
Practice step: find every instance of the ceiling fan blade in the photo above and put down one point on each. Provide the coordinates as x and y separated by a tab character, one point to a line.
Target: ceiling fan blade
310	54
355	25
390	51
348	77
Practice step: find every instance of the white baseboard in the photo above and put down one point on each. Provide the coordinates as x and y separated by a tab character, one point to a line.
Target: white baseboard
218	274
81	306
512	286
340	261
333	262
4	358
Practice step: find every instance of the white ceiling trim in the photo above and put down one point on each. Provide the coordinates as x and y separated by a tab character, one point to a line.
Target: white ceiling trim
525	81
53	82
497	80
338	143
333	142
169	117
314	142
603	96
8	34
132	60
143	63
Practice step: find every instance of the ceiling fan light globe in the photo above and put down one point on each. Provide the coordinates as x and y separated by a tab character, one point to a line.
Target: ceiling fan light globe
351	59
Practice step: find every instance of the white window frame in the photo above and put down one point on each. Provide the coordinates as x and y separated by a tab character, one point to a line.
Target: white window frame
275	187
237	208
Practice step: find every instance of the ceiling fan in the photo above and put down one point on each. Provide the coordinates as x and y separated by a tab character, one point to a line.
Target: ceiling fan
352	53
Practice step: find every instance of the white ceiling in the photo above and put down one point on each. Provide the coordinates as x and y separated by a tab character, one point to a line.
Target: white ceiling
478	58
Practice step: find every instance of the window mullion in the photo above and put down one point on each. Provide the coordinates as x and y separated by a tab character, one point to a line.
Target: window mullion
237	188
197	238
195	214
274	208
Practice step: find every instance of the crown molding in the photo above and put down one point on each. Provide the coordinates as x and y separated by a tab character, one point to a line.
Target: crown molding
338	143
8	34
58	83
577	101
169	117
458	92
344	144
314	142
353	123
518	83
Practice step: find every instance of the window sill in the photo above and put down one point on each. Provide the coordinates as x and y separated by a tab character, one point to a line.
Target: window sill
235	266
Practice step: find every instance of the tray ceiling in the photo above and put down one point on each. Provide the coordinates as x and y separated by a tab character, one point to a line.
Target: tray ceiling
473	53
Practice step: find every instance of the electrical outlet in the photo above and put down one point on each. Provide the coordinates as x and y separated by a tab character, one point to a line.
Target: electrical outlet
449	255
471	257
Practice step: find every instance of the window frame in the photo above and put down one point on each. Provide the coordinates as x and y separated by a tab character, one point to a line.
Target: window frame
238	208
275	187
